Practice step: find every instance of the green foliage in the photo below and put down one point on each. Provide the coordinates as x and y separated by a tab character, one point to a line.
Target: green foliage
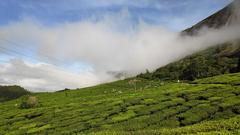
29	102
220	127
213	61
232	79
123	116
151	108
11	92
197	114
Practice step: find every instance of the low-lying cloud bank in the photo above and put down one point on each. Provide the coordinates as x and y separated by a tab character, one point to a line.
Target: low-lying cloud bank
108	47
42	77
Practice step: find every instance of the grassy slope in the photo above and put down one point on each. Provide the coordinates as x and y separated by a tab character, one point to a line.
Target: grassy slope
204	106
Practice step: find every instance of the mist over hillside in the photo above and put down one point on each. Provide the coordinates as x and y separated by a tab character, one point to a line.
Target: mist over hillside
106	50
228	16
219	58
139	77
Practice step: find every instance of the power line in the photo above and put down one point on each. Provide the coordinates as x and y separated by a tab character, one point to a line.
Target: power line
15	51
18	51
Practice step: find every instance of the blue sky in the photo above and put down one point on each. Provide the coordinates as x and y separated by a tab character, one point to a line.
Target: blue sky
54	44
174	14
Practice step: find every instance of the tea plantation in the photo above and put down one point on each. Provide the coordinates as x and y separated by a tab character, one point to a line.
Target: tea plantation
131	107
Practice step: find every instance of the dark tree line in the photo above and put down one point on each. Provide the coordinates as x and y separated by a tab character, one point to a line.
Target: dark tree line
213	61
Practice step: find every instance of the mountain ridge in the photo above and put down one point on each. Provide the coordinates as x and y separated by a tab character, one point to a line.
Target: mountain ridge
215	60
224	17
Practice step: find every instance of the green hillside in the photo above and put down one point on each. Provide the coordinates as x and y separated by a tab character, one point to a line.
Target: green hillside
133	106
11	92
199	94
216	60
213	61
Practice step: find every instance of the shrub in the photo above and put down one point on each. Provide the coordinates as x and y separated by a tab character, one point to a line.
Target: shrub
124	116
29	102
197	114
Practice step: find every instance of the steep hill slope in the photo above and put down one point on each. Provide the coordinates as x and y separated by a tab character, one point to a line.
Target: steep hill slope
227	16
220	59
134	106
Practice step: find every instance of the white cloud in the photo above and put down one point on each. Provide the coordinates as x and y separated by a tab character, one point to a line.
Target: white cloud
106	49
43	77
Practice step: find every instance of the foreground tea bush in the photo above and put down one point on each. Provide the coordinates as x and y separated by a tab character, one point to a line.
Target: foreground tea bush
29	102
